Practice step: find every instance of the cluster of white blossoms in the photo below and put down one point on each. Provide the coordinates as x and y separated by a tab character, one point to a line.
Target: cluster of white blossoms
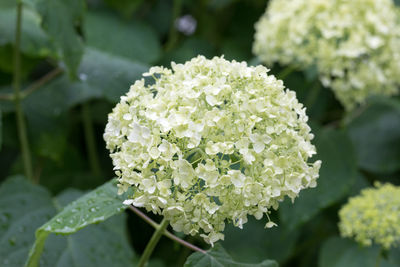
354	44
210	142
373	216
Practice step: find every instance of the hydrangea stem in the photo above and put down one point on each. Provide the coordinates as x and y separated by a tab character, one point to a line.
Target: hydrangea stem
153	242
90	141
22	133
379	258
313	94
173	34
285	72
166	233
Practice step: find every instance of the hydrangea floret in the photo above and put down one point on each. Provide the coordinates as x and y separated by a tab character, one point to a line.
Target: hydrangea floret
354	44
210	142
373	216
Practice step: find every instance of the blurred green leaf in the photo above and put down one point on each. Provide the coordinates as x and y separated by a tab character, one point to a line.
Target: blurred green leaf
376	136
129	40
100	74
125	7
34	41
7	3
217	256
220	3
188	49
23	208
233	50
111	75
337	175
51	145
255	243
394	256
311	72
47	121
59	19
28	62
94	207
160	16
359	184
338	252
69	169
319	101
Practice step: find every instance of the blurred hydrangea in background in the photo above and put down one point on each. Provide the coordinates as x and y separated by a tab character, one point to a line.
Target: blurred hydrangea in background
355	45
373	216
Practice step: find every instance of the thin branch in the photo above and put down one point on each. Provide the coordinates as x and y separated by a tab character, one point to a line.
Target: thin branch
173	34
21	126
285	72
34	86
42	81
9	97
166	233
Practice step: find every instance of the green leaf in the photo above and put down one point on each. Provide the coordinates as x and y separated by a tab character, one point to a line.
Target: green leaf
337	252
255	243
34	41
94	207
59	19
337	175
23	208
105	244
132	41
376	136
217	256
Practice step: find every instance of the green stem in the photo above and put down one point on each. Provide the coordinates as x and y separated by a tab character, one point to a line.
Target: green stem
90	140
33	87
378	259
313	94
22	133
166	233
152	243
285	72
173	34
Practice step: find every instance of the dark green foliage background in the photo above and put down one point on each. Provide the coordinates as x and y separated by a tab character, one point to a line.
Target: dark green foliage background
103	46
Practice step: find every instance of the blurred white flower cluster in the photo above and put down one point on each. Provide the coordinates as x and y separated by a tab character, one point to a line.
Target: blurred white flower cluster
373	216
355	44
210	142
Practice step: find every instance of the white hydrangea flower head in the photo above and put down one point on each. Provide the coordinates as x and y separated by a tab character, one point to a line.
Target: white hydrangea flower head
354	44
373	216
210	142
